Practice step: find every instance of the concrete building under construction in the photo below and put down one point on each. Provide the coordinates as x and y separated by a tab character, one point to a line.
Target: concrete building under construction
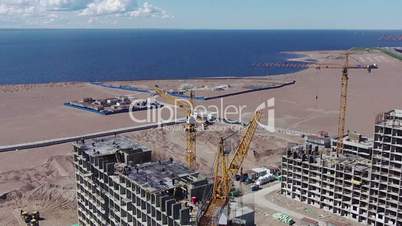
118	184
363	183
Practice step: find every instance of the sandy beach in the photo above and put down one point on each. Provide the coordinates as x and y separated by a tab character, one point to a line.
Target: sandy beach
36	112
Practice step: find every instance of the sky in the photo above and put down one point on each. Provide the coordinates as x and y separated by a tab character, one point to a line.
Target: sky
202	14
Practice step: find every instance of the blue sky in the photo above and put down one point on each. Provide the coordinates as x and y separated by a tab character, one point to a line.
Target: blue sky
203	14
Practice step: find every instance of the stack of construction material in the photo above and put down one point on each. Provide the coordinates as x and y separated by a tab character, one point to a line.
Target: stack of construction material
284	218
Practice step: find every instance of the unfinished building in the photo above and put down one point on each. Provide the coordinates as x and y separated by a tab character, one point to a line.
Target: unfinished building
367	189
355	144
118	184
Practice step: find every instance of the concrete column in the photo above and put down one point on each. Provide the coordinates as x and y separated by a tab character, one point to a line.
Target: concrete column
138	214
149	221
143	205
148	208
169	204
185	216
157	201
137	189
163	203
158	215
133	197
144	218
176	210
170	222
153	199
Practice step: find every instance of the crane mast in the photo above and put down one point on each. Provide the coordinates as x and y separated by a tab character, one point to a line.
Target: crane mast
223	173
190	129
342	106
191	155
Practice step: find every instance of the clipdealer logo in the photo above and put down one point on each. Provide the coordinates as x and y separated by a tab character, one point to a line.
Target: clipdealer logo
269	107
232	114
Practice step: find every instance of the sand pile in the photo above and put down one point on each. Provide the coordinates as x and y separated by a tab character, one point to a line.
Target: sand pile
169	142
48	188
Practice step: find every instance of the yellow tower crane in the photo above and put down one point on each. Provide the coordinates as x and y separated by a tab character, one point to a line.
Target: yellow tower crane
344	93
344	87
223	174
187	106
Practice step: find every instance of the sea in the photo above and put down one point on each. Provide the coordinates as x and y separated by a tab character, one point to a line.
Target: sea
62	55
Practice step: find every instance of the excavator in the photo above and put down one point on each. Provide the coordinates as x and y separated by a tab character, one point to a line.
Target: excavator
224	174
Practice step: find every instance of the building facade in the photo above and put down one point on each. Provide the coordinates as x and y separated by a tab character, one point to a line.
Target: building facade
386	175
118	184
367	189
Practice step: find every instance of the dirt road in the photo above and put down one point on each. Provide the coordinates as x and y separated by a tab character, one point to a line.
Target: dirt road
265	203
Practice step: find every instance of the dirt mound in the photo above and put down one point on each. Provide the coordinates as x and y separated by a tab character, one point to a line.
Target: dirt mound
48	188
266	148
8	196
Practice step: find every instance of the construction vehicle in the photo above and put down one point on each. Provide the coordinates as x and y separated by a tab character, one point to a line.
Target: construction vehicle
187	106
265	179
344	87
224	174
31	219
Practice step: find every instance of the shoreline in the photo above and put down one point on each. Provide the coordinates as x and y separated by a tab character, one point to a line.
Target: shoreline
303	56
29	106
309	106
191	78
61	83
26	104
179	78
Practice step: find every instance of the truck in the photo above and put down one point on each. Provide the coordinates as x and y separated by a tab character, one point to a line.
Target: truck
265	179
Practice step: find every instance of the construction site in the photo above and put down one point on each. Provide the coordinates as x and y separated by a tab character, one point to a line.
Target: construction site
118	184
336	175
365	188
214	171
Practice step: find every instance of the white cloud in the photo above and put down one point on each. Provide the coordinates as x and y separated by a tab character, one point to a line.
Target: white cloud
18	7
108	7
52	11
148	10
51	18
65	5
123	8
37	7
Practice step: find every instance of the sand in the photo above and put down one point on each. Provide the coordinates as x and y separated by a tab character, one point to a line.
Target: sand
34	179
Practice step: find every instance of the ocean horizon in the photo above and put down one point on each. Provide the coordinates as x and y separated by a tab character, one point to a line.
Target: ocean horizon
90	55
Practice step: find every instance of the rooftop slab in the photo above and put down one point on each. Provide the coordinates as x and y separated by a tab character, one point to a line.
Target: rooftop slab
162	175
110	145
